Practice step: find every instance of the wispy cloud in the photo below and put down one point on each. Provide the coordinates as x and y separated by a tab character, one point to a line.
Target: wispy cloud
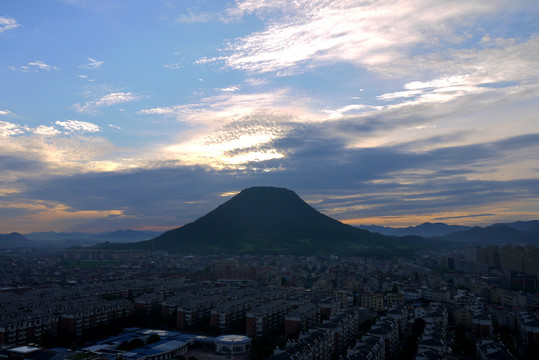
193	17
92	64
72	126
438	90
509	59
464	216
116	98
173	66
353	108
110	99
229	89
35	66
5	112
315	33
229	106
7	23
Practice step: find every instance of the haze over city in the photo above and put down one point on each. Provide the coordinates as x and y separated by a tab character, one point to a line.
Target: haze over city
148	114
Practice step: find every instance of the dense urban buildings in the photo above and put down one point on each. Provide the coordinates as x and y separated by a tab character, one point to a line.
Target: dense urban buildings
316	307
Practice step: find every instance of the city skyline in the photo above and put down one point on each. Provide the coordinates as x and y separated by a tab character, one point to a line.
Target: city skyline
149	114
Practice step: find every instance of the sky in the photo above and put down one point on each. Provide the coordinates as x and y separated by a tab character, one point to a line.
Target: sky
147	114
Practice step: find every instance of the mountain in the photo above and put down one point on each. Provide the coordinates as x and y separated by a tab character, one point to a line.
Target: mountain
14	240
520	232
271	220
425	230
62	239
520	225
499	234
57	236
126	235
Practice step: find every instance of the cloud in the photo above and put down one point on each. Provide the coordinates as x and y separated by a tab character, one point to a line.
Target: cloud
349	184
110	99
235	144
116	98
69	127
509	60
7	23
173	66
10	129
92	64
304	34
15	163
229	89
5	112
384	162
72	126
438	90
46	131
445	129
454	109
193	17
355	108
35	66
463	216
231	129
229	106
38	215
59	153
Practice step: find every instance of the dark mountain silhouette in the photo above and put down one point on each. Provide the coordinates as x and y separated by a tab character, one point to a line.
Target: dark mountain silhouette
14	240
126	235
534	229
520	232
63	239
272	220
54	236
425	230
520	225
499	234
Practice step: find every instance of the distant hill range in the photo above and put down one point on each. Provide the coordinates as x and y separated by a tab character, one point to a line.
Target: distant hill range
425	230
62	239
517	233
520	232
111	236
274	221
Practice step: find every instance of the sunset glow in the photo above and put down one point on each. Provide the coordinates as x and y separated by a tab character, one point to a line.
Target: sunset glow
144	115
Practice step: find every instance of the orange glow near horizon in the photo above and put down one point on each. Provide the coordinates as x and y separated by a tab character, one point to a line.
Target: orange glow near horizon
450	218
